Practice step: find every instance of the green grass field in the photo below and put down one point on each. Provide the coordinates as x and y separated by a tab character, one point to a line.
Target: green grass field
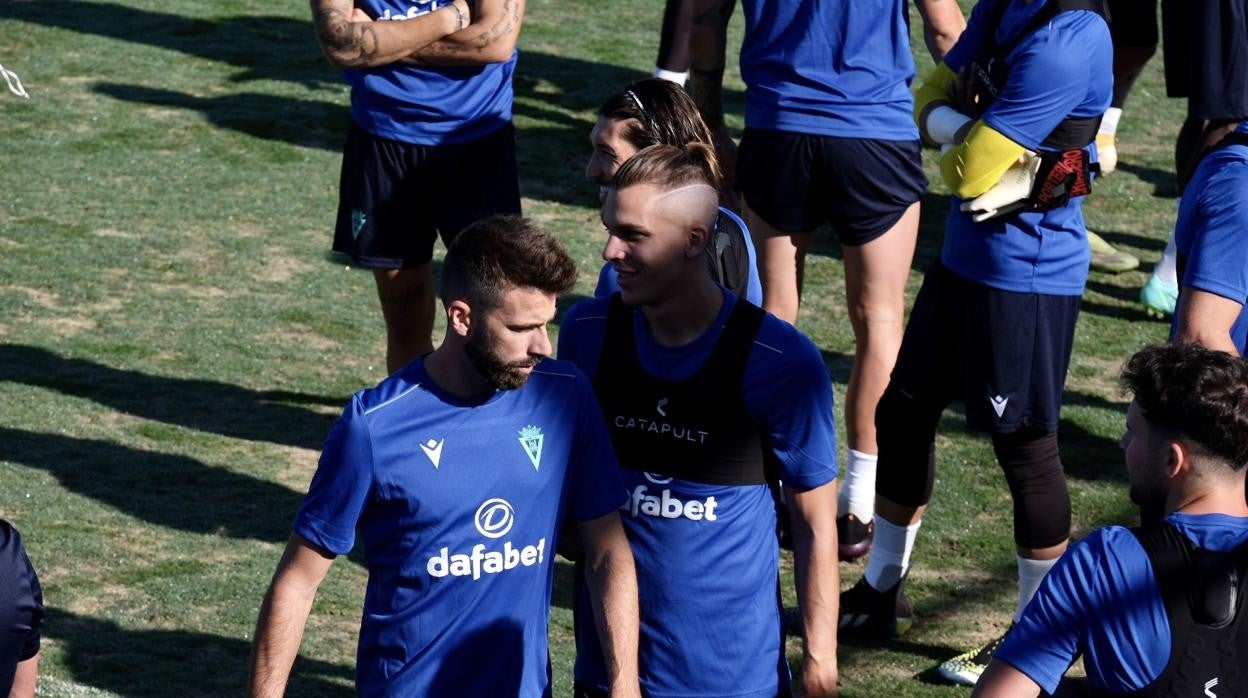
175	341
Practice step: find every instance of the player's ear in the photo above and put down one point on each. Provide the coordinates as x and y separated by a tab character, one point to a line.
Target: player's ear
1178	459
696	241
459	317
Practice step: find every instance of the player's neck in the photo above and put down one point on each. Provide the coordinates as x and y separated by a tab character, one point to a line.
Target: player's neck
1220	498
685	315
449	368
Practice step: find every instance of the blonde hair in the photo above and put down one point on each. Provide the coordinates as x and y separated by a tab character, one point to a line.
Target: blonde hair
668	167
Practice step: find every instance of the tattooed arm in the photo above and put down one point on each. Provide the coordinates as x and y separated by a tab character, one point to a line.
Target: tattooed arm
350	43
491	38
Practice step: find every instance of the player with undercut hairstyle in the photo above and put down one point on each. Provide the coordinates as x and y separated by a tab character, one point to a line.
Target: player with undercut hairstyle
1156	610
652	112
708	399
455	473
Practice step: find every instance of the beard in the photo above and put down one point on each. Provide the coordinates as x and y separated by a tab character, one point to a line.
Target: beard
502	374
1148	492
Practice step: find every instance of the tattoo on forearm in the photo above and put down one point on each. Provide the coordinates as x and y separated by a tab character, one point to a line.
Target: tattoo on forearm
505	25
349	43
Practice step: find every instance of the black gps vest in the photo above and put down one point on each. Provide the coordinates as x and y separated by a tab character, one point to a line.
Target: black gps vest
1203	592
1066	170
697	429
727	258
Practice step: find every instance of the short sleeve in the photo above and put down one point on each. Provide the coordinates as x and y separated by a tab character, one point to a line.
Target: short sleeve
597	487
1048	79
1217	259
1100	600
789	392
31	645
341	486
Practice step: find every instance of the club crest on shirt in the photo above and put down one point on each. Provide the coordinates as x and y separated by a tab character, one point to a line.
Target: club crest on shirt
531	438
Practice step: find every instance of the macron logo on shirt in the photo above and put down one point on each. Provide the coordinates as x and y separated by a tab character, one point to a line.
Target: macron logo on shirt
433	449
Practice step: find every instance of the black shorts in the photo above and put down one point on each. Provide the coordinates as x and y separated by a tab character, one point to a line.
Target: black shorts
1206	56
395	198
795	181
1004	355
1133	23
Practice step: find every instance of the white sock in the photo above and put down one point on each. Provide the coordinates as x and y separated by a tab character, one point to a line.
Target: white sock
857	495
1109	122
1030	574
671	75
890	553
1167	269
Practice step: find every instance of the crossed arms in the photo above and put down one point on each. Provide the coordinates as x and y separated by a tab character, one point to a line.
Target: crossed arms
453	35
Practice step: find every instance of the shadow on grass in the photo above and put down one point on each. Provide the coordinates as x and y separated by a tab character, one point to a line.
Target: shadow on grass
300	122
1090	456
839	365
218	408
1164	182
1120	238
551	153
1131	312
155	662
162	489
263	47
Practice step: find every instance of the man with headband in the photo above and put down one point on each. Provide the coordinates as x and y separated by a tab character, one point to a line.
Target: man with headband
708	399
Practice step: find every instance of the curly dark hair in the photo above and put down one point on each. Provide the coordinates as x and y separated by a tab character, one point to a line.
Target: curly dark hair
499	253
1197	395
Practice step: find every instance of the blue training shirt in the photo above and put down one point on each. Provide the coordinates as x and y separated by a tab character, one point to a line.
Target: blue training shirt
829	68
1102	600
1061	70
1211	233
458	505
428	105
608	279
707	555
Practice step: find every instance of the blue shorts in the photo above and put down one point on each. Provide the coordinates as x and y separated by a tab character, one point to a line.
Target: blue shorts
1003	354
795	182
395	198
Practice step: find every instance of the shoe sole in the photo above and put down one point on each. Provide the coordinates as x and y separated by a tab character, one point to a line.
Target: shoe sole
853	551
896	629
961	677
1116	266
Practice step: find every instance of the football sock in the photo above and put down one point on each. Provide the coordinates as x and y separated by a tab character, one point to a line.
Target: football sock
857	495
1109	122
1167	270
677	77
890	553
1030	574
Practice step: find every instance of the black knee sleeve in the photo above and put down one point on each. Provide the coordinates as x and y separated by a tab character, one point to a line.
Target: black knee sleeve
1033	469
905	430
